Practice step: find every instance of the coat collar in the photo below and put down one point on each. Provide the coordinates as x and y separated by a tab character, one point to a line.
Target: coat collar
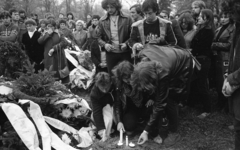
228	30
106	16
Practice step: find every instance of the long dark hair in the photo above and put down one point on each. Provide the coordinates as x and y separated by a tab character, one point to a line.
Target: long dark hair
208	15
188	19
145	75
123	70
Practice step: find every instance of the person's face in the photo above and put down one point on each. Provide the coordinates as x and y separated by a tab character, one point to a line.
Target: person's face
134	13
105	88
50	28
184	24
79	26
215	20
225	18
43	25
34	17
6	20
30	27
15	16
70	17
164	16
95	22
127	79
89	18
176	17
62	25
111	10
201	19
22	15
60	16
196	10
150	15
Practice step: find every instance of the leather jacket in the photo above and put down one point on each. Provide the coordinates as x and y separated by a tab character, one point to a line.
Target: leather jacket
234	61
225	40
174	77
124	30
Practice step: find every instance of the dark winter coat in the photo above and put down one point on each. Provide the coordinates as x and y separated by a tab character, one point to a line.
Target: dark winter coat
33	49
202	42
234	73
174	79
98	101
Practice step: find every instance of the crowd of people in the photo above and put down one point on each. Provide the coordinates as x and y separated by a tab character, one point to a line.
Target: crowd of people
148	64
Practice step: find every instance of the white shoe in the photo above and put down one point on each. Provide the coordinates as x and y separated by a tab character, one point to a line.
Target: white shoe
203	115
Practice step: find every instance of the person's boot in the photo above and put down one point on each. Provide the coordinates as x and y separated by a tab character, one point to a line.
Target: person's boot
172	139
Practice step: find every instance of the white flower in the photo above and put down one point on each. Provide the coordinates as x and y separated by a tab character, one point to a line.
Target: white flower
66	139
77	113
66	113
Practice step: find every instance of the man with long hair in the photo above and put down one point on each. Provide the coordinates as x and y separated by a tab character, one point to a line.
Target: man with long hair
197	6
126	111
136	12
164	77
114	33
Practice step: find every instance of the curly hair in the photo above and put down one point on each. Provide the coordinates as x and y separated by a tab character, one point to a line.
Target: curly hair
122	71
114	3
227	9
103	79
150	4
144	78
188	20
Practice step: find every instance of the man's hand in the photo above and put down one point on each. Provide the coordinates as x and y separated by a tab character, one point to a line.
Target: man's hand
108	47
138	46
149	103
50	52
123	46
153	39
143	138
102	65
120	127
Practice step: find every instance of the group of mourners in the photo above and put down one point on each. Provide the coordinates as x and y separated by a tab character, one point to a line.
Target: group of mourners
147	63
152	62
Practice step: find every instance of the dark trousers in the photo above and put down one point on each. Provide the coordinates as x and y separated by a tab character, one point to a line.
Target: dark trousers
130	116
200	86
167	120
114	58
237	133
172	123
